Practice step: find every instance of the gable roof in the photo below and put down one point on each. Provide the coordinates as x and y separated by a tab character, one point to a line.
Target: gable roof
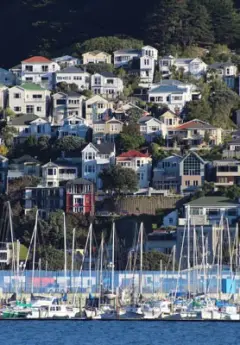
133	154
217	65
193	153
95	52
23	119
97	98
31	87
104	148
71	69
217	201
169	112
37	59
195	124
107	74
79	181
128	51
24	159
146	119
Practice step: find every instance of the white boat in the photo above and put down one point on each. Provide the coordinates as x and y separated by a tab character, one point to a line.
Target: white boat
134	309
53	311
156	310
92	313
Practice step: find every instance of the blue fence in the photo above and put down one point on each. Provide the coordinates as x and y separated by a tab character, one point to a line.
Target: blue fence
152	281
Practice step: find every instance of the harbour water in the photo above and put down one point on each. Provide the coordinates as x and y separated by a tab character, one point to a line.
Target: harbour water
119	333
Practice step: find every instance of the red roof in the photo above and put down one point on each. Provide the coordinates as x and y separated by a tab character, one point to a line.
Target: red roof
133	154
194	124
37	59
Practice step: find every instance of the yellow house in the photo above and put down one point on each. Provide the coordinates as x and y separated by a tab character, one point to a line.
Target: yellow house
106	131
170	119
96	56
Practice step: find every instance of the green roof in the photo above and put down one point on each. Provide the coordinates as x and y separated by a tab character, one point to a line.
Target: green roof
31	87
213	201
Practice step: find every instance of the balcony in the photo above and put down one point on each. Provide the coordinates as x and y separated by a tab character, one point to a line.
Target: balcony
63	177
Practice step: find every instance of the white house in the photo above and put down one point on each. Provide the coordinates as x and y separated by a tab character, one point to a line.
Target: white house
195	67
141	163
95	107
122	57
39	70
223	69
106	84
53	173
29	98
74	126
7	77
151	127
95	158
74	75
66	104
147	68
28	125
67	61
173	93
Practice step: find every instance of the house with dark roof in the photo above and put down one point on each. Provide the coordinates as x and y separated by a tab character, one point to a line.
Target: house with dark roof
29	98
74	75
141	163
106	84
96	56
39	70
227	71
80	197
191	173
25	165
193	66
67	61
173	93
29	125
195	133
95	158
151	127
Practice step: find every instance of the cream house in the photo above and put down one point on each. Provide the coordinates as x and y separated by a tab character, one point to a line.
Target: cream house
29	98
106	131
106	84
96	56
95	107
170	119
3	96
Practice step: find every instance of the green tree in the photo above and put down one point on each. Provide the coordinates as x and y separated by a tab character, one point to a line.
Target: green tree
108	44
8	133
130	138
68	143
87	93
119	180
99	68
233	192
8	112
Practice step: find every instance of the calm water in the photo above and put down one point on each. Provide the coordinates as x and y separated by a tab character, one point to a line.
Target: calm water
118	333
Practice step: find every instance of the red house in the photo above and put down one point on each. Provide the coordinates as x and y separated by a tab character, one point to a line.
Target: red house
80	196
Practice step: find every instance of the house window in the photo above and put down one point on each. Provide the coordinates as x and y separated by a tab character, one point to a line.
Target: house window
110	81
39	109
191	166
29	79
228	71
44	68
170	220
30	109
17	109
17	95
138	163
195	183
28	68
97	81
51	172
187	183
37	96
159	99
146	61
177	98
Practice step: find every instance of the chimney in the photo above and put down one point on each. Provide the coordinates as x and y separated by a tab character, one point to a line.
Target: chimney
98	141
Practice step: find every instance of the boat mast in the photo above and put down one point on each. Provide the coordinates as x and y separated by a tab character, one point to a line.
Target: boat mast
203	261
101	266
12	237
188	246
65	250
73	252
113	258
90	257
34	249
141	258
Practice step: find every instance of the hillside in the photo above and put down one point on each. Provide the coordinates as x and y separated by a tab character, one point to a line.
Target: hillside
50	27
